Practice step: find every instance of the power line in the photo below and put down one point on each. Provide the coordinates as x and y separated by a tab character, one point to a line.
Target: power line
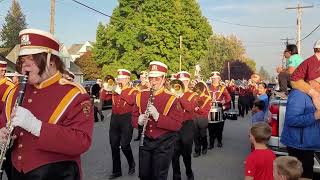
310	33
93	9
251	26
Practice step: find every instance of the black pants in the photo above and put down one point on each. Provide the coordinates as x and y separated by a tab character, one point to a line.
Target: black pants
155	157
284	81
306	158
66	170
243	105
233	98
7	165
183	147
200	134
120	134
215	131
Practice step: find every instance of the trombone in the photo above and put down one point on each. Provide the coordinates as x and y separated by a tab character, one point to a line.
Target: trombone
177	87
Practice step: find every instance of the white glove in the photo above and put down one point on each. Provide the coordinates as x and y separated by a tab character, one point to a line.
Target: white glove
26	120
154	112
118	90
141	119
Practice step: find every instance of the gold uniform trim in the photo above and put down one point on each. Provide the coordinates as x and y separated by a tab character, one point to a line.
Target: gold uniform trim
67	99
168	105
9	103
49	81
11	85
206	101
191	96
63	81
221	91
138	101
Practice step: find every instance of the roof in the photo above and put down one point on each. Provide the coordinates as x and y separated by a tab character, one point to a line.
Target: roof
13	54
74	49
75	69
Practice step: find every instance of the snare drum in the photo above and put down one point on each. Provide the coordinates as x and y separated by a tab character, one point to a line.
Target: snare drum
215	114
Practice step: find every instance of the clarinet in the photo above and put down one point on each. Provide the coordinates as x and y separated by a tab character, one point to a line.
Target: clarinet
8	142
147	114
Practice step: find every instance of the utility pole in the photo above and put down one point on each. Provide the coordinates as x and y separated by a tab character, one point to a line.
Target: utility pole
299	14
52	14
287	40
180	52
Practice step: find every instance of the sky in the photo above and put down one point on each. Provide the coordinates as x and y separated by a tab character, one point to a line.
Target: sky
76	24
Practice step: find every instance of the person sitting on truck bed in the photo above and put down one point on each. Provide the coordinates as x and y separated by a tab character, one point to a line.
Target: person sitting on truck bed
306	71
301	131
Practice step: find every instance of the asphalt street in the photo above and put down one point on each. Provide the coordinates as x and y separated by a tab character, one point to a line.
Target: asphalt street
225	163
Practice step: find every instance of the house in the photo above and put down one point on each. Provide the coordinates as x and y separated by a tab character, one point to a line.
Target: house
77	50
64	55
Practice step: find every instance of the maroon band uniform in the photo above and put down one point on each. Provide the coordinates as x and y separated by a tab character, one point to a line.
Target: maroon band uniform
5	87
67	123
220	94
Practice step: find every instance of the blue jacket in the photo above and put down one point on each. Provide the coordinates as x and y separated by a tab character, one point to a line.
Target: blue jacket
301	130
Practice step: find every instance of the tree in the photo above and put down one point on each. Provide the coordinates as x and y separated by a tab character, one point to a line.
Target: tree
223	49
144	31
264	74
88	66
238	70
15	21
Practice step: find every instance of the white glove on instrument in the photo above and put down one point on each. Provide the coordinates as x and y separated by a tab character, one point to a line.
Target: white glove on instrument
26	120
154	112
141	119
118	90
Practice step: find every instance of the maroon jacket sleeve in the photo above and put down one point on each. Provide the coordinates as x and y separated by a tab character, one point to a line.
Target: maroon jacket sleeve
135	116
173	120
227	99
300	72
72	135
104	96
186	104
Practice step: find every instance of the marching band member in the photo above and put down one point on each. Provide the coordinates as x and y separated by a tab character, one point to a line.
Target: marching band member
161	125
220	94
120	132
144	84
5	87
51	134
202	109
232	91
184	142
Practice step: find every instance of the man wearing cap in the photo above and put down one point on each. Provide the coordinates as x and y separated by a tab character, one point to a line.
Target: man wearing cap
306	71
220	94
162	124
54	123
120	132
184	142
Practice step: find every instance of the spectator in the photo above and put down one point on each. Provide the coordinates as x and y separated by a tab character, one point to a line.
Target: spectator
287	168
259	163
257	112
306	71
262	95
293	61
301	131
97	103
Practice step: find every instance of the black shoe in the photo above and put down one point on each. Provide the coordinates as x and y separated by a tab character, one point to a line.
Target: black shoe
190	177
204	151
132	169
220	145
211	147
115	175
137	138
195	155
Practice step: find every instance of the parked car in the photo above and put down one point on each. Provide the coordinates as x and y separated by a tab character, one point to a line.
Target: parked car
277	111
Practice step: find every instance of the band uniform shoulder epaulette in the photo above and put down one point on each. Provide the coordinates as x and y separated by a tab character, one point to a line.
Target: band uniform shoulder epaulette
63	81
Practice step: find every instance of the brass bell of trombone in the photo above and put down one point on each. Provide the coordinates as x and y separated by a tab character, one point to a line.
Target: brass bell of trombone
177	87
109	83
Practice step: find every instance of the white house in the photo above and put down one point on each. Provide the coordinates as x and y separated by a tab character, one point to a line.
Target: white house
77	50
